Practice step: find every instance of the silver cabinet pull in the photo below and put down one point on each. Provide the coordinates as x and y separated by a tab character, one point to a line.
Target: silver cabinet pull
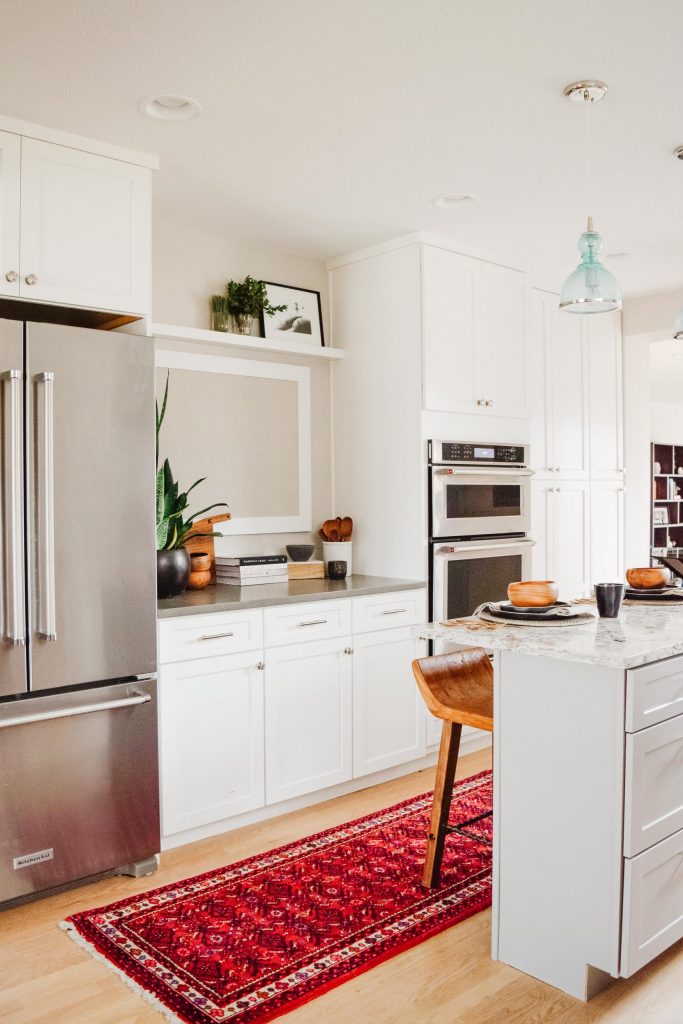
312	622
260	665
45	504
15	623
84	709
394	611
214	636
489	401
31	279
348	650
11	276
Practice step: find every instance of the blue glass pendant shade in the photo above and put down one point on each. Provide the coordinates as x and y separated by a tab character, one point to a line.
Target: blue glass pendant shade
678	325
591	288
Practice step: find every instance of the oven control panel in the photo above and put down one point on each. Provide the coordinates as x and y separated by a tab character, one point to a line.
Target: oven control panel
468	453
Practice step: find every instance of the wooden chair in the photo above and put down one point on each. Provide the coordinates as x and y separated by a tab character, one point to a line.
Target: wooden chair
458	688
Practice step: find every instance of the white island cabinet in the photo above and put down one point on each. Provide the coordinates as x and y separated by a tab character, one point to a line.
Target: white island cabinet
263	709
588	794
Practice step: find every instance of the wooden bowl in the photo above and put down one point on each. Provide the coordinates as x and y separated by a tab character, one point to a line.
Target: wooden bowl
533	593
647	578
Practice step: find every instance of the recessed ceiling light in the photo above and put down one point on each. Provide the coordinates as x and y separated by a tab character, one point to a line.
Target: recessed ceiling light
454	199
170	107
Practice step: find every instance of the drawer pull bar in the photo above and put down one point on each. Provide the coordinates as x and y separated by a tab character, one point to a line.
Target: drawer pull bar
214	636
394	611
313	622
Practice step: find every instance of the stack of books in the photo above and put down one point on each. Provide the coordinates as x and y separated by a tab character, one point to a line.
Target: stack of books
251	570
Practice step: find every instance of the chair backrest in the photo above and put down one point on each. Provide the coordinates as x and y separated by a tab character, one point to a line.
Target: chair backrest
458	686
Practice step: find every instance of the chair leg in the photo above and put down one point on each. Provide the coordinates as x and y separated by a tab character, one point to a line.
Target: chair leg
443	794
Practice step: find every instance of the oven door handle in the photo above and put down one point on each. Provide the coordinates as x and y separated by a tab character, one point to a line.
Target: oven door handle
451	549
491	471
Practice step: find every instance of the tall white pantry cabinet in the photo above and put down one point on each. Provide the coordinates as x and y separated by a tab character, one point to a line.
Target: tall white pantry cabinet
439	344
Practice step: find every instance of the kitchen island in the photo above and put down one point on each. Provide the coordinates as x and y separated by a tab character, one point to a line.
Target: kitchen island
588	793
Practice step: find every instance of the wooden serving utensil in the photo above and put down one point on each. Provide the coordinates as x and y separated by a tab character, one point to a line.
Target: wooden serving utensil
346	528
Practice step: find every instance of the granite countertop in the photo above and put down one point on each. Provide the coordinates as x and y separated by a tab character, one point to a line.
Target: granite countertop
639	636
222	598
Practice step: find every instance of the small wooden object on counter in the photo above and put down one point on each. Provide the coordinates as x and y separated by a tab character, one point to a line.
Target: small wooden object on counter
647	578
197	539
200	570
458	688
533	593
306	570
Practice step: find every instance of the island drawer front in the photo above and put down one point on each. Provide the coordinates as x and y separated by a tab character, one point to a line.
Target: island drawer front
297	623
654	785
386	611
653	904
654	693
200	636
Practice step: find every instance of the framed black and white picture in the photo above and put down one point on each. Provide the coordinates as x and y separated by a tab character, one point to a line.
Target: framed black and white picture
302	319
660	516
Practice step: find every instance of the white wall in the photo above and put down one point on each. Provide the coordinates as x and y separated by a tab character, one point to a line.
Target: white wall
188	267
666	422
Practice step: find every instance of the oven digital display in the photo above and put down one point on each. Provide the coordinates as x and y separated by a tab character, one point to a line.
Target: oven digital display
484	453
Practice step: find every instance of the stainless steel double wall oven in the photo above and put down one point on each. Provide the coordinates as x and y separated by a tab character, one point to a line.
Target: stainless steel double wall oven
479	514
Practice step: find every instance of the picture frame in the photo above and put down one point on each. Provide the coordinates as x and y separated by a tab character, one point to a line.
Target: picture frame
660	516
302	321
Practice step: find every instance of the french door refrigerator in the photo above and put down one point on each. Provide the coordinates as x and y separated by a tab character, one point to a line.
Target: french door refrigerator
78	734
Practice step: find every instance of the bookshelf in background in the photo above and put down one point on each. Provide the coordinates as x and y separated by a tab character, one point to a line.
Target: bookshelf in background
667	499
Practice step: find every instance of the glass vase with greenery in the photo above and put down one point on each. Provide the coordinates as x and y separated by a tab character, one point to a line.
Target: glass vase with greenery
246	300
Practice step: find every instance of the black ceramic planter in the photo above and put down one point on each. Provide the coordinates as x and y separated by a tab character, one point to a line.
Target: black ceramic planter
173	572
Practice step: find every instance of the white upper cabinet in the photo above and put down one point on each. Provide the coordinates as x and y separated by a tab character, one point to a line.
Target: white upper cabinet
474	327
10	162
85	229
605	395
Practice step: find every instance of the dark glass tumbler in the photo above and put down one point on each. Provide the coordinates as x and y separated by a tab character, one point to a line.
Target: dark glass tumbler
608	597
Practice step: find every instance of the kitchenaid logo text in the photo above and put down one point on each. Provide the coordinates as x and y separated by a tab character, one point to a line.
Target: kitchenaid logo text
32	858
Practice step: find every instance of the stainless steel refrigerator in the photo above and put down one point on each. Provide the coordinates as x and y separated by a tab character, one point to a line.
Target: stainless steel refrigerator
78	732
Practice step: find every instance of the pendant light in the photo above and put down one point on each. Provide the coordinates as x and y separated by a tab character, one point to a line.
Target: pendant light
591	288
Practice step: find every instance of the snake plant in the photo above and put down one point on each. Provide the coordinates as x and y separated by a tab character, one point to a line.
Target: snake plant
172	523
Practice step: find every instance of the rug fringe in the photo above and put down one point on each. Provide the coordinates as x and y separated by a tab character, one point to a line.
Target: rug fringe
139	990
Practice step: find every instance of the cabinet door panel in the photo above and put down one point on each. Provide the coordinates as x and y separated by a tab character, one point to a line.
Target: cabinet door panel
541	526
605	401
308	718
570	538
540	423
502	354
451	327
85	229
10	150
568	395
211	729
388	712
607	532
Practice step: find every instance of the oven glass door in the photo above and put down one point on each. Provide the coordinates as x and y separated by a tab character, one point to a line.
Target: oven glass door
470	502
466	575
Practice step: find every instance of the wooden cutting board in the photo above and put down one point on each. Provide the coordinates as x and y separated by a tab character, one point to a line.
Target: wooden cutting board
197	540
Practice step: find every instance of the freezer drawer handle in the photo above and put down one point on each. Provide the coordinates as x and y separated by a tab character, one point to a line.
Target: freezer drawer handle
84	709
15	625
46	627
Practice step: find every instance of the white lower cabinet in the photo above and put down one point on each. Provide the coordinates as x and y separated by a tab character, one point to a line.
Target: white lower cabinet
308	717
211	740
560	525
388	712
653	904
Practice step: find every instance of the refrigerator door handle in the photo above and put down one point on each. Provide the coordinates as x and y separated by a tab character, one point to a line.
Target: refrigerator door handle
45	627
15	623
83	709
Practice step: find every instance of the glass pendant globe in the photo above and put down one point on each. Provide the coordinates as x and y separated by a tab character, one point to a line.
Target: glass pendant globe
591	288
678	325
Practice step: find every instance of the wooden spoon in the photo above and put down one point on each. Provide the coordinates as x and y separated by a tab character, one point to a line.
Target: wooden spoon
346	528
332	532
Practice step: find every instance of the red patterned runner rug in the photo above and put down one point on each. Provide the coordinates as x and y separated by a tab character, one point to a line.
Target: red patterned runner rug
245	943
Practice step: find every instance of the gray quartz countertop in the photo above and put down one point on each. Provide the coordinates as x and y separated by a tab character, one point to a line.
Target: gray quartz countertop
639	636
222	598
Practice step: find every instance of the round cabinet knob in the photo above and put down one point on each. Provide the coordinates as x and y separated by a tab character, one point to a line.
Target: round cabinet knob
260	665
489	401
348	650
480	401
11	276
32	279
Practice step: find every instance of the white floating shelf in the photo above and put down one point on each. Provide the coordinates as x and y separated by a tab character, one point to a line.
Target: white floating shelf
198	336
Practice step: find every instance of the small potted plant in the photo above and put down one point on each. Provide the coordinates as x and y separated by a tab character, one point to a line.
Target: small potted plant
173	522
245	300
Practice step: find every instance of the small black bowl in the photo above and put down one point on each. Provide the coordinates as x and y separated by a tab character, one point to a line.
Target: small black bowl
299	552
336	570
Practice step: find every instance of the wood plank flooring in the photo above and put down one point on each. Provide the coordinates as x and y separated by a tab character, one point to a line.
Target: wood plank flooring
46	979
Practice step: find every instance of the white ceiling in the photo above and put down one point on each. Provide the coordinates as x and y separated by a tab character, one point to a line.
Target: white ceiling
331	124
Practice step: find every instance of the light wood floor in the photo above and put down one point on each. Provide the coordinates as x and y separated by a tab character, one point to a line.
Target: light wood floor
46	979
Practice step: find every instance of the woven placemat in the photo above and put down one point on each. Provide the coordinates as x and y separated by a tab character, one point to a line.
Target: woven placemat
483	613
